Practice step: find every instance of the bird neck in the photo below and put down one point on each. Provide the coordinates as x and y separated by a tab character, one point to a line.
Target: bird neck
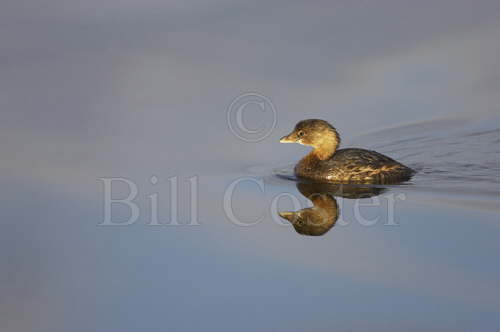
326	147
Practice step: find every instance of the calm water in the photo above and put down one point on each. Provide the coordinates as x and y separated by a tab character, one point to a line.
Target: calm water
429	264
140	91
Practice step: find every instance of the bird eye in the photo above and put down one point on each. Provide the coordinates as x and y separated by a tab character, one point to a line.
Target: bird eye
300	133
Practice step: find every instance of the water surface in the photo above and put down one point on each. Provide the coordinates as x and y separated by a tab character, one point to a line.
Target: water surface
140	90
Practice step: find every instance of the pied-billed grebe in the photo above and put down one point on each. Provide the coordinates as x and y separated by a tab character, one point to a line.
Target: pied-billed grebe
326	163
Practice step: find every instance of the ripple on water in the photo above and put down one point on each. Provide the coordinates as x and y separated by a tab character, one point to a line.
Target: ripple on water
451	156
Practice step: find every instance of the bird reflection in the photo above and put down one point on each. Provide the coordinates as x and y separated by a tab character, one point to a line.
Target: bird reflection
320	218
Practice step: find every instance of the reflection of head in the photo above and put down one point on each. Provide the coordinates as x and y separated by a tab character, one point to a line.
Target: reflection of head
318	219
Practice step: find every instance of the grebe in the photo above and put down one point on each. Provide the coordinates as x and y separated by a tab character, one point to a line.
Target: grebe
326	163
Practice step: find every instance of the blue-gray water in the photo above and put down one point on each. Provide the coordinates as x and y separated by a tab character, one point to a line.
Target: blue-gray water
114	89
436	268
